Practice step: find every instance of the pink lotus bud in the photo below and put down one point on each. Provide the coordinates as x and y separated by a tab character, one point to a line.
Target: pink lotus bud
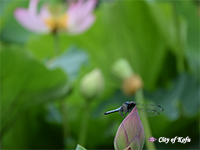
130	134
128	148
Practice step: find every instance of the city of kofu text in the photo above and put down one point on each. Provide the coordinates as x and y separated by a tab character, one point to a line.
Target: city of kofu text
175	139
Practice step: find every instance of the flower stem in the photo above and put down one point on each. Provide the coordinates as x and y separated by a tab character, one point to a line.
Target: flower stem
62	102
180	63
56	43
84	125
64	119
148	134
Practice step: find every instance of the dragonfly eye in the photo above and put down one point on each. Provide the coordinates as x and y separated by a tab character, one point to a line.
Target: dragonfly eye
132	104
127	103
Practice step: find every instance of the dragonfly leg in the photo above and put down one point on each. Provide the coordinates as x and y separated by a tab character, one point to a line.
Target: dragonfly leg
127	112
121	114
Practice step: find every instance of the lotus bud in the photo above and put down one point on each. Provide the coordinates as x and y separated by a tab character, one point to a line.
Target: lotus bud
130	134
132	84
79	147
128	148
92	84
122	69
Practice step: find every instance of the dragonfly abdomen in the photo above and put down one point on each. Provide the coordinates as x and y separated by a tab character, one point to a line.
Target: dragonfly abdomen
112	111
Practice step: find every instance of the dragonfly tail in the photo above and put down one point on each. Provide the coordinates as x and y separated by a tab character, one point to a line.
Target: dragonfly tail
112	111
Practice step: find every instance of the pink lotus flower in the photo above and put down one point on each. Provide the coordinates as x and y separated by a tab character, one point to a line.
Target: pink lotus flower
76	19
130	134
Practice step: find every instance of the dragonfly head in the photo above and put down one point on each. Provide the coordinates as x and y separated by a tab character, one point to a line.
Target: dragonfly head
127	103
130	105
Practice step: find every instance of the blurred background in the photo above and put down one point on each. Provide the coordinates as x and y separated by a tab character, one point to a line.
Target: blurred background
44	101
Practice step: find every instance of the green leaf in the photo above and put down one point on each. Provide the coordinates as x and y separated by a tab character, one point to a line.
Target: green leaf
71	62
11	30
189	97
27	83
43	46
190	11
31	131
131	30
79	147
181	99
135	30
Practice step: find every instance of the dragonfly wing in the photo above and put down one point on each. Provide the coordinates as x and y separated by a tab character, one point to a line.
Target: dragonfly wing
152	107
147	112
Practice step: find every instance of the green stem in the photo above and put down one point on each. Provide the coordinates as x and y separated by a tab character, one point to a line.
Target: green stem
64	119
84	125
147	129
180	48
180	64
62	103
56	44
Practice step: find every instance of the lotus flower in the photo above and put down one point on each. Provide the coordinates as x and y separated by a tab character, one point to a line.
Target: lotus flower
130	134
76	19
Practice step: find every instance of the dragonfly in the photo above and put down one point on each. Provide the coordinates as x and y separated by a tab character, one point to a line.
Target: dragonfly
148	110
